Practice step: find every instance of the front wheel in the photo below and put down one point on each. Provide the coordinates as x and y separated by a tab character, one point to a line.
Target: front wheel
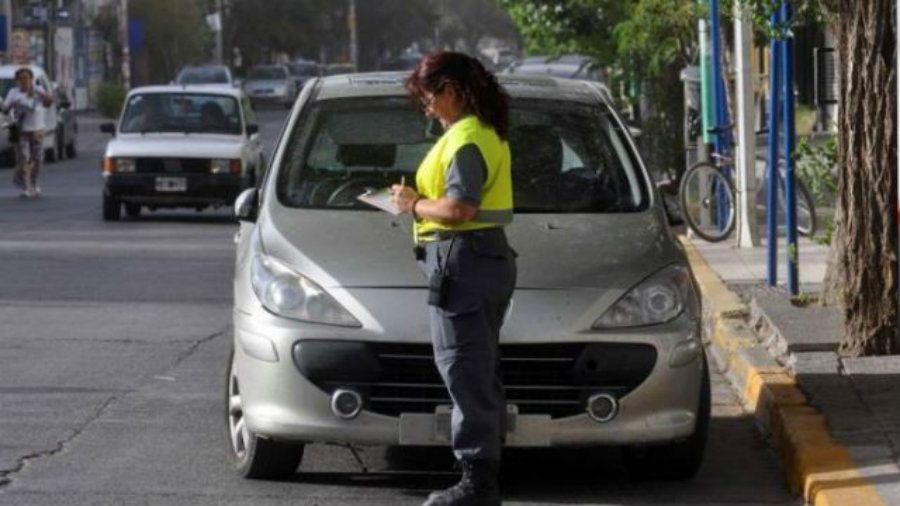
707	202
679	460
253	456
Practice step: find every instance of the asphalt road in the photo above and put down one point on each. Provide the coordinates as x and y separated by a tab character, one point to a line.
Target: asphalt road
113	342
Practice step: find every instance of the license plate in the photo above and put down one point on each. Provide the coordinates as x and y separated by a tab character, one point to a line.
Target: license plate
171	184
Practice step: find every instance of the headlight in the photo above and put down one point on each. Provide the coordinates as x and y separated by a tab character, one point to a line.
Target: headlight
291	295
224	166
118	165
658	299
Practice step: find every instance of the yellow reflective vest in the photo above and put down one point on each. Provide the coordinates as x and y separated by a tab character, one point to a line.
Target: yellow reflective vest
496	208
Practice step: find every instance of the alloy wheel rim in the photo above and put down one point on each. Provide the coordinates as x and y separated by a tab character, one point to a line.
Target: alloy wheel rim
237	425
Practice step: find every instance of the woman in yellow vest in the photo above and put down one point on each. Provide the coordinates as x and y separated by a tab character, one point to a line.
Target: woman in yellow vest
464	200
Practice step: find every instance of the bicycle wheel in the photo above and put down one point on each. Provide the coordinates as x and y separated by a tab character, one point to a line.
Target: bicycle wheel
806	210
707	202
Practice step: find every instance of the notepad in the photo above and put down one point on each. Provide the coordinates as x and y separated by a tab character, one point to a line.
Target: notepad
380	199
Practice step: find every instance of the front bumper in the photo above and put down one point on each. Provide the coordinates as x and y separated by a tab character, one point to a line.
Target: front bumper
200	190
280	403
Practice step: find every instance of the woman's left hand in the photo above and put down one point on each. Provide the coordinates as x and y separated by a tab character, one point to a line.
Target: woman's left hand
404	197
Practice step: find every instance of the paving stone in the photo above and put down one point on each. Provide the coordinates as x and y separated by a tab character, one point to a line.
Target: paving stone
816	362
810	328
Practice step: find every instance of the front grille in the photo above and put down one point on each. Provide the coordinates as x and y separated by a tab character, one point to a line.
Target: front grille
552	379
149	165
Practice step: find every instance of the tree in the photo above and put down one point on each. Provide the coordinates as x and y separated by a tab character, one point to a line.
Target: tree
171	41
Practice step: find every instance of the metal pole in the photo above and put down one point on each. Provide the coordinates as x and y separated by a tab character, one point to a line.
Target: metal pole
745	182
772	155
790	197
351	23
722	143
219	56
123	39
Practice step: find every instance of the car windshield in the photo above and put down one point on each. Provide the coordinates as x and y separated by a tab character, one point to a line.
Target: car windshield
181	112
567	157
267	73
203	76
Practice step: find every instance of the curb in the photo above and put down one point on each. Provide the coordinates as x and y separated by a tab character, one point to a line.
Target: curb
815	465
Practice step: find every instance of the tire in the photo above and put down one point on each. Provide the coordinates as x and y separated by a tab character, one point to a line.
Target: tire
253	456
60	147
133	210
71	151
112	208
50	154
679	460
701	189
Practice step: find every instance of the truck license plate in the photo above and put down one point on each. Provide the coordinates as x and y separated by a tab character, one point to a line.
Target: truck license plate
171	184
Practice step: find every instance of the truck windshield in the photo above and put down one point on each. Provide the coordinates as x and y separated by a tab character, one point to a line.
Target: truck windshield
567	157
181	112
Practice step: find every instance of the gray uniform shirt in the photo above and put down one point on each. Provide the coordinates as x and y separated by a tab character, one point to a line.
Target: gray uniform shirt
466	176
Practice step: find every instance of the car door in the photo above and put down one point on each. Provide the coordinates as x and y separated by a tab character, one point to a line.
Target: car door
252	144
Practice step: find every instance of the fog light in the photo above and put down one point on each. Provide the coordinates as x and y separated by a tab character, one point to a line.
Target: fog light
602	407
346	404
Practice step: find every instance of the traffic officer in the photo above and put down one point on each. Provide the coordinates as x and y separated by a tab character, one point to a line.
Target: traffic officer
464	200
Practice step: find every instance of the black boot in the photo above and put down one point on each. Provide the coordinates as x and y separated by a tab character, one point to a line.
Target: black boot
478	486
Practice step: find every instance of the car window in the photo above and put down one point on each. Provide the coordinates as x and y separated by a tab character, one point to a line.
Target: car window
268	73
181	112
566	157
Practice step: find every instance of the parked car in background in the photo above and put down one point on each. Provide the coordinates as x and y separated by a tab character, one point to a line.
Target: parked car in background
66	126
303	70
51	114
271	84
571	66
180	146
601	346
206	74
333	69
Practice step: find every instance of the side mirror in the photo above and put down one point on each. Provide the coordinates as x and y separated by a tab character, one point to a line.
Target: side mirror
108	128
252	129
668	193
245	206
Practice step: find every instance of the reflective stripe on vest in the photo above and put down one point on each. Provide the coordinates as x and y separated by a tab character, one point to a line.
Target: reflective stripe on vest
496	207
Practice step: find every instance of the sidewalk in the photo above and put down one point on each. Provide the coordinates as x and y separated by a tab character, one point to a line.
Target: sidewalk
835	421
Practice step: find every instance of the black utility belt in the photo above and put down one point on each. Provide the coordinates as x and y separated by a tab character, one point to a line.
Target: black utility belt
447	235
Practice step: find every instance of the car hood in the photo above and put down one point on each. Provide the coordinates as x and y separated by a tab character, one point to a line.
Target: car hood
353	249
172	144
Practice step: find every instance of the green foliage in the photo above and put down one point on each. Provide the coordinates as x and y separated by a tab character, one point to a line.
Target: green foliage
804	12
172	40
645	44
815	167
110	98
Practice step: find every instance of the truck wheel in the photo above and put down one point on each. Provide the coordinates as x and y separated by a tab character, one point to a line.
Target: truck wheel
679	460
253	456
112	208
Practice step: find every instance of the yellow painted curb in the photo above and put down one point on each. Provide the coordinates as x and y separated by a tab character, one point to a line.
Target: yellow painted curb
816	465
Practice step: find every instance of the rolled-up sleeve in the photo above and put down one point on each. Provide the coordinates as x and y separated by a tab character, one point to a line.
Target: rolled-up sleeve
466	175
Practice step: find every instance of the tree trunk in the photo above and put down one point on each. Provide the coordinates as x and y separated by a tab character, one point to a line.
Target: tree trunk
866	240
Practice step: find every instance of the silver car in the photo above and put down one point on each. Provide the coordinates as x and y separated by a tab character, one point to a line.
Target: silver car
271	84
601	345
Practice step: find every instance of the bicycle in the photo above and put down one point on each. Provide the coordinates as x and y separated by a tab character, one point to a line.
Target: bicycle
708	199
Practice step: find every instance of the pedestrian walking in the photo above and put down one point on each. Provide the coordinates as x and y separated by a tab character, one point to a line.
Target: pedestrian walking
464	200
25	104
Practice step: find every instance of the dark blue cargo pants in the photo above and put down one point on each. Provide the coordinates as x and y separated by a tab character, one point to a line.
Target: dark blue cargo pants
480	275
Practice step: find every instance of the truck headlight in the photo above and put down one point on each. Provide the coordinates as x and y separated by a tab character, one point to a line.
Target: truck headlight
115	165
658	299
289	294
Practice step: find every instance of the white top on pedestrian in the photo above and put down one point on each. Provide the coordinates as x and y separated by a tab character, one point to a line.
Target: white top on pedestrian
27	111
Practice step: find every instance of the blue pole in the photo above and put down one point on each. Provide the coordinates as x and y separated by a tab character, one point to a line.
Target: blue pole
772	169
722	140
790	196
